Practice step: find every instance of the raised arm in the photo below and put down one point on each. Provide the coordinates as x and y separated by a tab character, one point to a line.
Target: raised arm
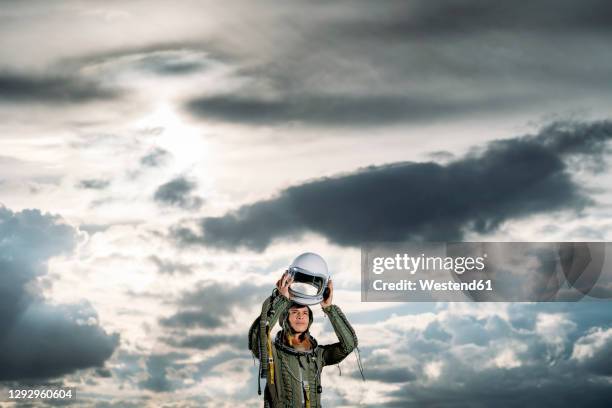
271	309
336	352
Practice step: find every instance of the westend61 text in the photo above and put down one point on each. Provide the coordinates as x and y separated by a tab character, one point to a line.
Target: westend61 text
432	285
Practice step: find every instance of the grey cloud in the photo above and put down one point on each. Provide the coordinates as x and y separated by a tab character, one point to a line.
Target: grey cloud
7	161
103	372
598	362
93	184
50	341
212	305
339	109
469	330
436	332
387	375
129	367
162	58
167	372
207	341
584	314
37	339
193	318
169	267
120	403
159	372
253	226
591	234
178	192
442	156
571	137
178	62
158	366
508	390
94	228
155	158
22	88
507	179
420	61
460	17
171	64
544	373
134	402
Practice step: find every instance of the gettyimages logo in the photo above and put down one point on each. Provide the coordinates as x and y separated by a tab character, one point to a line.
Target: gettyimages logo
413	264
487	271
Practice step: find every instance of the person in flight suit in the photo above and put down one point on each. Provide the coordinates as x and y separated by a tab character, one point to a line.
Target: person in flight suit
293	361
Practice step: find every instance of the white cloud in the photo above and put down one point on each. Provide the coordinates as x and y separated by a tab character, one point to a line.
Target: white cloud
433	370
589	345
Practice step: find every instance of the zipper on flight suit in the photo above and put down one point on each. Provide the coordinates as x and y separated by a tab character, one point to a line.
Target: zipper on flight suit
305	386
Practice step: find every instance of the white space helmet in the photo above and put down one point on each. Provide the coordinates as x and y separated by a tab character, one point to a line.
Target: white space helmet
310	276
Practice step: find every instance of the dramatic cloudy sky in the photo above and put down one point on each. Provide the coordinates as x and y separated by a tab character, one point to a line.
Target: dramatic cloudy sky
161	163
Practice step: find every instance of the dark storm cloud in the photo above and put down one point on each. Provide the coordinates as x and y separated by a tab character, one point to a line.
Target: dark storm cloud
507	179
407	62
575	137
404	20
177	192
22	88
155	158
338	109
40	340
49	341
93	184
213	305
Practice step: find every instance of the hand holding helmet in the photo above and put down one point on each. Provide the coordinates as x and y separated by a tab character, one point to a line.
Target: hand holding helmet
283	285
328	294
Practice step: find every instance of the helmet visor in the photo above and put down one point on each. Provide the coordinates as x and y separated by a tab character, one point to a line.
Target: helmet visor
305	283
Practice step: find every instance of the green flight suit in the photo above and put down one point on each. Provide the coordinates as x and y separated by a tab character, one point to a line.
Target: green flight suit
296	381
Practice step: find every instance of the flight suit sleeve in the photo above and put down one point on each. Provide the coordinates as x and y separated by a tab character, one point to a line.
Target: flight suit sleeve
336	352
271	309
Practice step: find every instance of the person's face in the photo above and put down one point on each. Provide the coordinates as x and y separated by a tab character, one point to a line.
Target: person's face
298	319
